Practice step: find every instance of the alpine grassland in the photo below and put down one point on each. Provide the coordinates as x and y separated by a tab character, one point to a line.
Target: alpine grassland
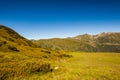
19	66
84	66
76	66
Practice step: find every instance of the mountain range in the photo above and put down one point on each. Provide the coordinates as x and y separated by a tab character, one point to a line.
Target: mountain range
103	42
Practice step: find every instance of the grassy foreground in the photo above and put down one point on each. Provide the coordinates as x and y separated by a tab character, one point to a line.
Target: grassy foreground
82	66
85	66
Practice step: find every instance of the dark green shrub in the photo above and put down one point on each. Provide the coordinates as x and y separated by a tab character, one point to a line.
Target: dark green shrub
46	51
13	48
64	55
11	39
2	43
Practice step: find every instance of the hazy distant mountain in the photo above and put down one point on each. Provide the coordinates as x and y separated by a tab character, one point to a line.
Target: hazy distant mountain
104	42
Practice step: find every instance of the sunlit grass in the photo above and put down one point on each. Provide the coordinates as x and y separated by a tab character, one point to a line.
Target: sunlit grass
19	65
82	66
85	66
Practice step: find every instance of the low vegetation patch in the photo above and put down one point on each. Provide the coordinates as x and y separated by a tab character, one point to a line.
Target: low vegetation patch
19	65
16	65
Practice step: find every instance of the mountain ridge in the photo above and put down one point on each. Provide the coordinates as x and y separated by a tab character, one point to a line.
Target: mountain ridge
103	42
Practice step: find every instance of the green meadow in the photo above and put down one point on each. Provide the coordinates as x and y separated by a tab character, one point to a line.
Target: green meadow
77	66
85	66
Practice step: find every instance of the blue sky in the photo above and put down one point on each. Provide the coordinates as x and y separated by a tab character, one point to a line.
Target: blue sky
41	19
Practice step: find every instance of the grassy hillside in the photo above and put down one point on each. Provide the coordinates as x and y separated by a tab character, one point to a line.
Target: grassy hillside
21	58
12	41
17	66
104	42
